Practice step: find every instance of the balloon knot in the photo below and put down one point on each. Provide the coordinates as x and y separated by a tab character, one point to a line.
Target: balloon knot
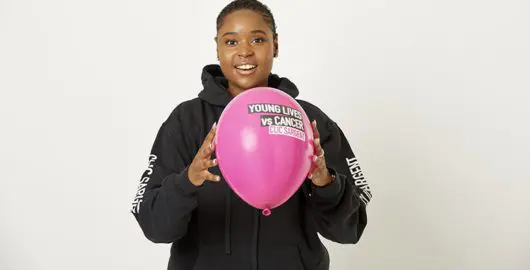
266	212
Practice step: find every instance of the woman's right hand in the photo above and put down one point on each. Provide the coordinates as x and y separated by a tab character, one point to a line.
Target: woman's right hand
198	169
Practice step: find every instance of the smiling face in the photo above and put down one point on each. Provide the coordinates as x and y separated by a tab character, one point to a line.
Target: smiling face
246	47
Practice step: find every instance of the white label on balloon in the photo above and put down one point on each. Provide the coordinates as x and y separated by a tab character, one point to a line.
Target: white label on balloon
274	108
287	131
280	119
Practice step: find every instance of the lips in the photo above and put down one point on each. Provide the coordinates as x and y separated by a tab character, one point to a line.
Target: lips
246	69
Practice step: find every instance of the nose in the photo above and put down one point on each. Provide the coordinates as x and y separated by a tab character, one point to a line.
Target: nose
245	50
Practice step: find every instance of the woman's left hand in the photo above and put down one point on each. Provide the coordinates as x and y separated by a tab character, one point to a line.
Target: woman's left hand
320	175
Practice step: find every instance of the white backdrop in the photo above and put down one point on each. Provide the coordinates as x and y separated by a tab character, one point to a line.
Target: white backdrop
433	96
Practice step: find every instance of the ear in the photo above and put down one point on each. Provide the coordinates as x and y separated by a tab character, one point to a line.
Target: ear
276	47
216	48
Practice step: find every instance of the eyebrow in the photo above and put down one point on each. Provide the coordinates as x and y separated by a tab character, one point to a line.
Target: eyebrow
258	31
253	32
229	33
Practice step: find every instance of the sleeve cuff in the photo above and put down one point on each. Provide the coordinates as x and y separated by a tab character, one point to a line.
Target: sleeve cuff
183	183
330	190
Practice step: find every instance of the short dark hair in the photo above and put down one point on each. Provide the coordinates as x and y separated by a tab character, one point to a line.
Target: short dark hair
253	5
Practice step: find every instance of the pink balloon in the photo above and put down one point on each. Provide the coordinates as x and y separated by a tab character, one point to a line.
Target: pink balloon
264	146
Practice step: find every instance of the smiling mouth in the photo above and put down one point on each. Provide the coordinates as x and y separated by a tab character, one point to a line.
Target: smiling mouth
246	67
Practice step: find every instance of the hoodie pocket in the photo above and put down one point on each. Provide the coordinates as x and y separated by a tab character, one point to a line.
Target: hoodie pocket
212	258
316	259
278	257
281	257
298	264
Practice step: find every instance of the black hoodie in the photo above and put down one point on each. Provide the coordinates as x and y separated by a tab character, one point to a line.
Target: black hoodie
212	228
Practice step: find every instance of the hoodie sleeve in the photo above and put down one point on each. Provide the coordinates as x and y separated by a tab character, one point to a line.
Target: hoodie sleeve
339	209
165	198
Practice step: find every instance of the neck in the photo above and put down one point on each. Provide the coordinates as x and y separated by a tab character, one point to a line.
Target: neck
234	90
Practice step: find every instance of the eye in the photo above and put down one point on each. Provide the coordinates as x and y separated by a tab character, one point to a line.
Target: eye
258	40
231	42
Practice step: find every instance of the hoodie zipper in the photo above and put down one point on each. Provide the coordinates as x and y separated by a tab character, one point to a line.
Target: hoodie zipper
255	239
228	213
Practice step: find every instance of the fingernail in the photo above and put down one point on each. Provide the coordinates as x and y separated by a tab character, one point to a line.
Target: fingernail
315	123
310	176
315	158
214	125
317	141
211	146
218	178
214	161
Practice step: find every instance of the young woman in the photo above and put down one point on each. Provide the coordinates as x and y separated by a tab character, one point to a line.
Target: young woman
182	199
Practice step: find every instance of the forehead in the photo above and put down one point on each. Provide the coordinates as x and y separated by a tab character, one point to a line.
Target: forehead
243	20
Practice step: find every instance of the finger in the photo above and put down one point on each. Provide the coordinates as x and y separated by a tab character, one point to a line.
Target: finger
211	177
208	163
316	134
211	135
208	145
206	152
319	151
314	174
211	143
319	161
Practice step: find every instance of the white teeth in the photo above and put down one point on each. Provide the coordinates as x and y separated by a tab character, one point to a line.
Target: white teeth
246	67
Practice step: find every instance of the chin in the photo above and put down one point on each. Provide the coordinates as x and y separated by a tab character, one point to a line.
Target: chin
245	84
249	86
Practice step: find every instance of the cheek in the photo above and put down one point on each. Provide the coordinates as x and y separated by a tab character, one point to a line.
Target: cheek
225	61
265	55
225	54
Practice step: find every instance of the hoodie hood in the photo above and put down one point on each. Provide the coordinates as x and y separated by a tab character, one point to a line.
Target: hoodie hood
215	86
